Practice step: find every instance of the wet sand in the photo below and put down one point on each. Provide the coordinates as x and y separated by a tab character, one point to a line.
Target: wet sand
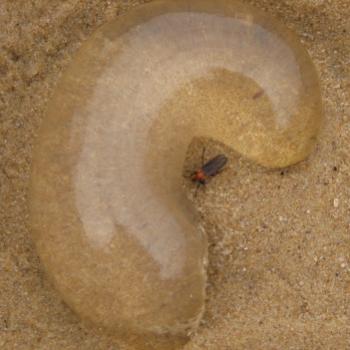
279	274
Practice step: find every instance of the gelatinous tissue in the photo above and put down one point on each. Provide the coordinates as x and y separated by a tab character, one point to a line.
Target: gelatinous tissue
109	217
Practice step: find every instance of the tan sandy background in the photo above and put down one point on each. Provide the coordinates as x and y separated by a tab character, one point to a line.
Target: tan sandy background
279	274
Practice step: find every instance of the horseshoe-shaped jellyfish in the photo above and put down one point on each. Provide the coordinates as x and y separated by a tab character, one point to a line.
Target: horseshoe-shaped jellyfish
108	213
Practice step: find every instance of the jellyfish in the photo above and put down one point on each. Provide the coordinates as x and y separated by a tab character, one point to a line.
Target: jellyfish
111	222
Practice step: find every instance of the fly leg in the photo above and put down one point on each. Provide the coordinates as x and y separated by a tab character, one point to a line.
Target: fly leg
195	194
203	152
199	184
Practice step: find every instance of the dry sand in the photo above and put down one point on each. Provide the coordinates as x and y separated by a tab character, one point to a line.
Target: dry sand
279	276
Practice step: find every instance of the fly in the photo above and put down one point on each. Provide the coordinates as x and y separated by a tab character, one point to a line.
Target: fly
209	169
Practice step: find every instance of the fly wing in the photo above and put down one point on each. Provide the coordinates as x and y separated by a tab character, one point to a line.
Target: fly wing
213	166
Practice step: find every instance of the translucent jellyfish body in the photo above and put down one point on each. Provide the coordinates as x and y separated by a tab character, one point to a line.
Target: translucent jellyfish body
108	214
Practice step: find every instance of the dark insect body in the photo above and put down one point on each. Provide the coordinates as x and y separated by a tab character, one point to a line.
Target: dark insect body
209	169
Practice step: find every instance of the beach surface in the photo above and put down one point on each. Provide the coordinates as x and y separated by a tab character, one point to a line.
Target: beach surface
279	240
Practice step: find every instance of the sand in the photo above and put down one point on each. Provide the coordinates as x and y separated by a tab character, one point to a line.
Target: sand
279	274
